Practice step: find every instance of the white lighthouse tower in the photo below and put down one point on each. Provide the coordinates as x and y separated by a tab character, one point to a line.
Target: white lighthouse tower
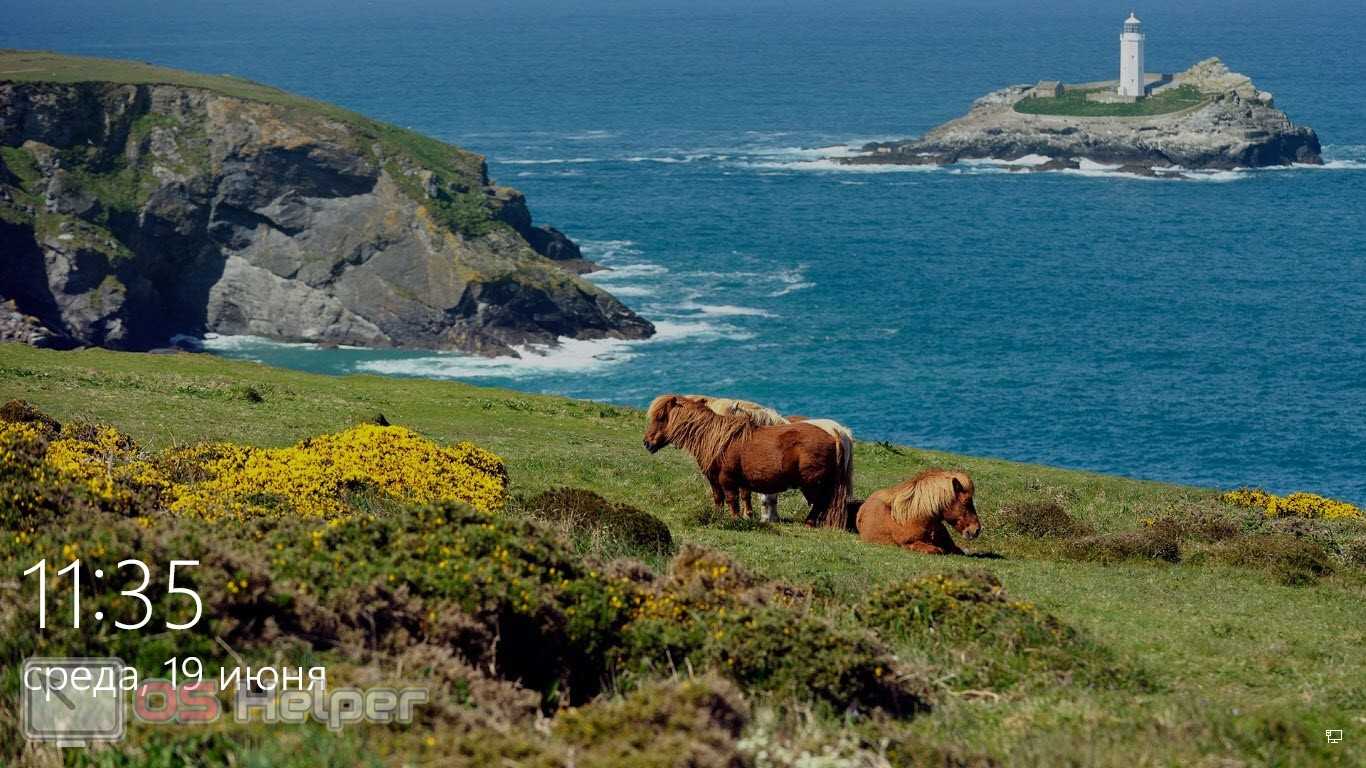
1131	80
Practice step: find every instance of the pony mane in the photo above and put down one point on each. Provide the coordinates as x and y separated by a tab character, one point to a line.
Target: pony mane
697	429
927	495
724	406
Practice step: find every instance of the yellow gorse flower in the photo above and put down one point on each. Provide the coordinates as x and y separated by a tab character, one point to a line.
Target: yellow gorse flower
315	477
1297	504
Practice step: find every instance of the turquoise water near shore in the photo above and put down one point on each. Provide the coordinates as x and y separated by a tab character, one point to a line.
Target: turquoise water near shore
1209	330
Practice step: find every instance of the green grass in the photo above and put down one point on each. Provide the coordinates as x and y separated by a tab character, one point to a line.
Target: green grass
1074	104
1245	670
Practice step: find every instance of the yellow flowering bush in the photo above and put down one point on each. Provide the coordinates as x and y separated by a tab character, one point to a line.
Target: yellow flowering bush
47	467
316	477
1297	504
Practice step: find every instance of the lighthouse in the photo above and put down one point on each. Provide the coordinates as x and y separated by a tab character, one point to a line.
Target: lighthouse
1131	58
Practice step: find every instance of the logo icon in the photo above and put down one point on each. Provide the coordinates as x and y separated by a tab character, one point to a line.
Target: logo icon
72	701
1334	735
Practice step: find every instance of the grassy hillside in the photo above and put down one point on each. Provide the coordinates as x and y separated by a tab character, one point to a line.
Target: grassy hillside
1241	666
450	162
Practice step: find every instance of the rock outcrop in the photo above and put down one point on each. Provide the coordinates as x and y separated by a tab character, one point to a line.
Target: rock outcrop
161	203
1231	125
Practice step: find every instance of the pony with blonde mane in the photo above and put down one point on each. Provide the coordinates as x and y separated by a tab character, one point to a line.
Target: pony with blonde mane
738	456
912	514
765	416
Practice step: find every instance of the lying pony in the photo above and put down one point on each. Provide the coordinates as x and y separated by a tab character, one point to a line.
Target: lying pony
912	514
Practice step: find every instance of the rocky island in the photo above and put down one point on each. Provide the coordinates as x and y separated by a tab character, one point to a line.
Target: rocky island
139	203
1206	118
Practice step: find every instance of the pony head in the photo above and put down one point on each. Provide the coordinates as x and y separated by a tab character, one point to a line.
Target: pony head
962	513
657	422
942	494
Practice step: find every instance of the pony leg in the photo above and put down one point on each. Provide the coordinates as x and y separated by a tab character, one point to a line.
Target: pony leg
818	504
770	502
924	547
733	499
717	499
747	501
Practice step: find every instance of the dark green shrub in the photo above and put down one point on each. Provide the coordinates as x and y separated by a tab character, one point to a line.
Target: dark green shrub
691	722
1292	561
710	613
1354	553
1204	524
24	412
966	622
588	514
1156	542
1039	520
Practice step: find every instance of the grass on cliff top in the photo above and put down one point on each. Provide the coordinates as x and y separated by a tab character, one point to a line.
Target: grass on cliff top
1074	104
1248	671
46	67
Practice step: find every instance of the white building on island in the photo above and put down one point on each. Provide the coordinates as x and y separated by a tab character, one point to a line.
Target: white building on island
1131	76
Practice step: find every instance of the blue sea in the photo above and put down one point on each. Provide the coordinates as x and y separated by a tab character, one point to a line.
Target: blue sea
1208	330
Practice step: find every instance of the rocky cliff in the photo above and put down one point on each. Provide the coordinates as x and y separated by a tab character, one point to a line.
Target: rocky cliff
139	203
1226	123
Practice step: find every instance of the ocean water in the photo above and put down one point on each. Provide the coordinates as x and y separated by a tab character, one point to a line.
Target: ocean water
1209	329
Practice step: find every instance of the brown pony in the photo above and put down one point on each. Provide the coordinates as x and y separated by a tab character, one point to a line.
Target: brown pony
737	456
912	514
763	416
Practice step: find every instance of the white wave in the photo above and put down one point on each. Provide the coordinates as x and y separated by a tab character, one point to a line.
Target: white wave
1091	165
627	271
1028	161
808	153
696	330
724	310
792	280
567	356
832	166
588	135
632	290
1109	174
214	342
1338	165
671	159
608	248
1219	177
550	161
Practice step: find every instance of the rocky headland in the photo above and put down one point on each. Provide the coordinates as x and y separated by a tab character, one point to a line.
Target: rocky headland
139	203
1207	118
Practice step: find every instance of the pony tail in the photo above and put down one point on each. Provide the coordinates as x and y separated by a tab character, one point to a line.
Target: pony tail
851	522
837	513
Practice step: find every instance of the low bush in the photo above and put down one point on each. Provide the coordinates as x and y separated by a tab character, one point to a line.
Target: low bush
691	722
1291	560
1199	523
1039	520
710	613
24	412
1154	542
965	622
588	514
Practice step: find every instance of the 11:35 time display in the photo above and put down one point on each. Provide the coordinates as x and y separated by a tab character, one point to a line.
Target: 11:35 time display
74	568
